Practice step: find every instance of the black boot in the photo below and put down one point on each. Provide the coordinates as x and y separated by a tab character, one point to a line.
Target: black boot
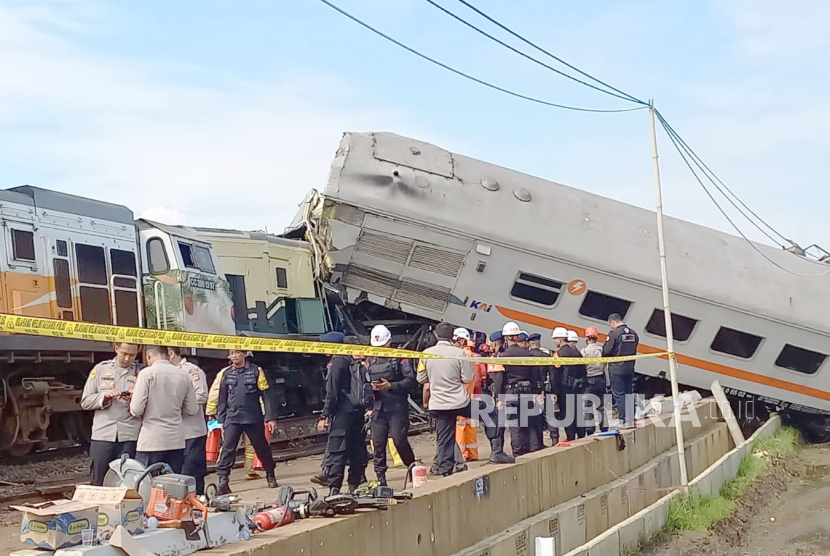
382	479
320	479
497	454
272	481
224	487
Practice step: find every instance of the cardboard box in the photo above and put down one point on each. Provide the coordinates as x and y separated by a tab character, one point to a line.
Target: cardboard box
57	524
116	506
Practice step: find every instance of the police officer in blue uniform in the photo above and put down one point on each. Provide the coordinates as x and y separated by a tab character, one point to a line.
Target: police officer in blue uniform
243	394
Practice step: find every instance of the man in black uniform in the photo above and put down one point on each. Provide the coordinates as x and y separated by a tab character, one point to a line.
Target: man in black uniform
493	428
573	387
524	384
622	340
343	415
538	423
243	394
392	380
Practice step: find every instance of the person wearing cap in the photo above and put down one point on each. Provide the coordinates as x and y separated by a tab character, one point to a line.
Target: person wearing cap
523	337
537	422
332	337
523	385
622	340
392	379
195	429
342	415
493	426
449	398
596	377
244	394
465	427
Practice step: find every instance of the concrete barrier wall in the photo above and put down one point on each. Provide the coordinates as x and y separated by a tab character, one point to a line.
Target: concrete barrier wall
449	515
627	537
587	518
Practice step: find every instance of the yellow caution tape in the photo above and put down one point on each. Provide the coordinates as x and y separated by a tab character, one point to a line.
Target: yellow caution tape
36	326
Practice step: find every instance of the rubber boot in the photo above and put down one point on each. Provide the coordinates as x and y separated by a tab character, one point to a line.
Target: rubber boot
224	487
272	481
497	454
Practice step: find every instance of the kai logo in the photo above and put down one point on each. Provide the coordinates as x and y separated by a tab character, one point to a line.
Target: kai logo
38	527
480	306
77	526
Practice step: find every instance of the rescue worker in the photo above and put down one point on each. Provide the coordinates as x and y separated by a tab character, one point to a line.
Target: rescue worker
622	340
465	427
597	377
107	392
493	425
163	395
538	423
195	428
392	380
342	415
332	337
244	394
210	410
524	386
573	385
449	397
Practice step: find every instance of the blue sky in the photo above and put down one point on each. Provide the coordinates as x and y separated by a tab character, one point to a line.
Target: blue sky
226	113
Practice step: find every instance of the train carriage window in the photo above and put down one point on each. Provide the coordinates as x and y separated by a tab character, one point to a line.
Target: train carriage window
123	262
126	304
536	289
600	306
63	287
157	256
681	326
203	259
92	267
95	305
23	245
735	342
187	255
800	360
282	278
60	245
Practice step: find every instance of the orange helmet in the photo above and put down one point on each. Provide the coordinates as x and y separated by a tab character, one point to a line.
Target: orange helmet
591	332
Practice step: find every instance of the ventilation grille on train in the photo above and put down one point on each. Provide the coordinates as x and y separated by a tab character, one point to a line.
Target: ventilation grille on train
384	247
428	296
435	260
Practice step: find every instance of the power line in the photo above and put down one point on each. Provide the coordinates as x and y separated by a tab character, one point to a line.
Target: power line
723	212
468	76
701	166
542	50
704	168
525	55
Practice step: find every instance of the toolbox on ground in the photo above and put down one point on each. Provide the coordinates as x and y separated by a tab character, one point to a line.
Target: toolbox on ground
56	524
116	506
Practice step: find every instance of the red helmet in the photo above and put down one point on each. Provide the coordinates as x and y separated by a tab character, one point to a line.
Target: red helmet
591	332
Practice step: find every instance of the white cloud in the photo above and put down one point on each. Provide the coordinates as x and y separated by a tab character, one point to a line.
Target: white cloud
240	154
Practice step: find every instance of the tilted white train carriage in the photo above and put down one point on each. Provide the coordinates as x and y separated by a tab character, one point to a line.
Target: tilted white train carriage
446	237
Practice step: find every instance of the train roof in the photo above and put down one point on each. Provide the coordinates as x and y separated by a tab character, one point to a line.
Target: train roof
225	233
418	182
38	197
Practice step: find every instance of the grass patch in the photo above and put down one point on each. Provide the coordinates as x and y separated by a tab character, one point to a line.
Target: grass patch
693	512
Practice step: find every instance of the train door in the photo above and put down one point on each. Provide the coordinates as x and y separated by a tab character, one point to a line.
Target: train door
61	265
124	288
26	284
108	287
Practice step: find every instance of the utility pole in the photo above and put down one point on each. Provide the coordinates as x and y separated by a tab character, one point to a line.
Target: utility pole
675	391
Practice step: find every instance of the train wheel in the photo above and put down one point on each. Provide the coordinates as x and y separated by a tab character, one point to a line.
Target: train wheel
18	450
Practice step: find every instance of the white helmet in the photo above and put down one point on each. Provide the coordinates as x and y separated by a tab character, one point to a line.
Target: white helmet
380	336
511	329
460	334
573	336
559	332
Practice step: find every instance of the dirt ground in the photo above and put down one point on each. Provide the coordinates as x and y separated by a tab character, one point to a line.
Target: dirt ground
786	514
295	473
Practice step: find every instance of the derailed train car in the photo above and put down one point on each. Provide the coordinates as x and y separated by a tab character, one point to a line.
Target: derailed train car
415	228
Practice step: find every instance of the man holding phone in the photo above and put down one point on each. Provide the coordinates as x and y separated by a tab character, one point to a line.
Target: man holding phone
392	380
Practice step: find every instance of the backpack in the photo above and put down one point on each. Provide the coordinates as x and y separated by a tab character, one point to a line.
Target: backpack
360	393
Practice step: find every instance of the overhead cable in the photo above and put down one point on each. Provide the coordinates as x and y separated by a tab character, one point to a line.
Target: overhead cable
723	212
542	50
524	55
468	76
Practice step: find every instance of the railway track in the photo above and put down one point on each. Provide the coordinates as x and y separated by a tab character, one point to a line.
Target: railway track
46	488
